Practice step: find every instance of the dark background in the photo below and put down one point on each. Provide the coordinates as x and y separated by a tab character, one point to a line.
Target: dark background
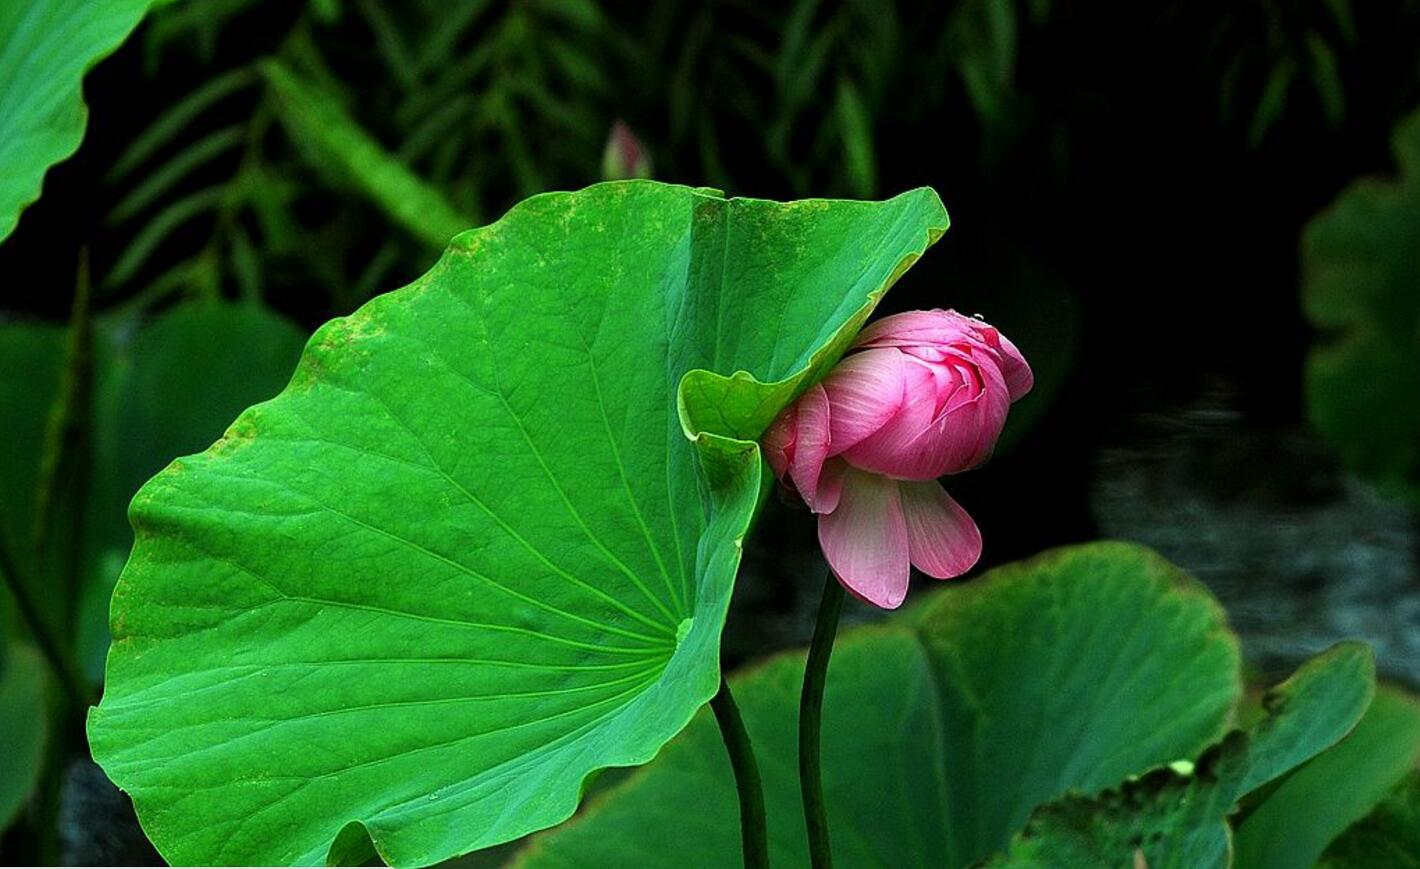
1127	184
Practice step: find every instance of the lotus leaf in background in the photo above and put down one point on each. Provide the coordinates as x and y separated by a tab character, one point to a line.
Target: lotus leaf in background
46	46
1029	697
1291	826
163	387
1176	817
1387	837
946	726
469	557
1362	289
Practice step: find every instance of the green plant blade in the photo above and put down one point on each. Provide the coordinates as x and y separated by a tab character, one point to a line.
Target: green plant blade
1308	713
1362	287
469	557
1293	825
46	46
1068	671
1163	820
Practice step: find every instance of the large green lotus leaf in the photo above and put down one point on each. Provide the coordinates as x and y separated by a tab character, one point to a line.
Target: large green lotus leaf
164	389
1175	818
468	557
22	727
1387	838
1292	826
1362	286
46	46
944	729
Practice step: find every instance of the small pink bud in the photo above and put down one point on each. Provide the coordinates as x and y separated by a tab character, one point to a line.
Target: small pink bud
918	396
624	156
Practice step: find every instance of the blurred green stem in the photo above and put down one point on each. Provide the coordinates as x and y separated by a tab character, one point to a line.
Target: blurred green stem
54	651
752	827
62	472
810	723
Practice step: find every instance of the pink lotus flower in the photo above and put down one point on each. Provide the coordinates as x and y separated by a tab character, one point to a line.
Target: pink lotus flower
919	395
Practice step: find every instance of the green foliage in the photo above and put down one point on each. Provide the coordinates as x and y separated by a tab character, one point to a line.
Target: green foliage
1110	644
46	46
984	36
316	122
161	388
31	356
468	98
939	736
1176	819
1291	826
1387	838
23	718
164	389
1362	289
1267	56
468	557
1164	819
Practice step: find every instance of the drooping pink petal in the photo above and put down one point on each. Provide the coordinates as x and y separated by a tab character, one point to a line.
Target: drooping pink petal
811	443
865	540
866	390
830	486
943	541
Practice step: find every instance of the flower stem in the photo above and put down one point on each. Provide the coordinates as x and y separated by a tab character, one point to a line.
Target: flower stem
732	729
810	723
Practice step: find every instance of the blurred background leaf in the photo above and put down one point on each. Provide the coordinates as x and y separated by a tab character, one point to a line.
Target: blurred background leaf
165	388
23	714
1290	826
1388	836
1362	289
336	144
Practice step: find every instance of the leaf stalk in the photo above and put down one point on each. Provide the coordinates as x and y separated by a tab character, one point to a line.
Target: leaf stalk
811	721
754	835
